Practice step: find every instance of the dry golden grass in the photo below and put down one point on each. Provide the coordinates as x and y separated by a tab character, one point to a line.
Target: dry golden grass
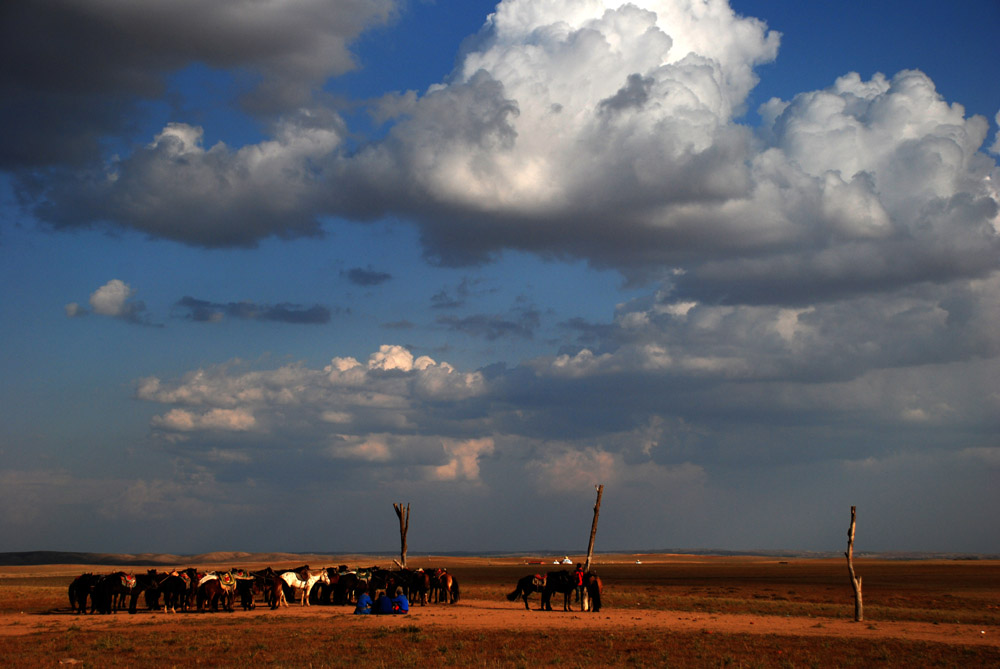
680	612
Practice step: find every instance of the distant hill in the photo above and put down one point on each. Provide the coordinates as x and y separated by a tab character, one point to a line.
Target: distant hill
149	559
236	558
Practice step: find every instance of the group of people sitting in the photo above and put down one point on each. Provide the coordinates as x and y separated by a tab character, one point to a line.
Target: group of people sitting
383	603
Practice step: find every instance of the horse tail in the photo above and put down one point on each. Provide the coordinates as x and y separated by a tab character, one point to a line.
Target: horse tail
512	597
454	591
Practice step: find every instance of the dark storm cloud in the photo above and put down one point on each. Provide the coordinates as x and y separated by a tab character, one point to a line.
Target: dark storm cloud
366	276
521	324
205	311
72	71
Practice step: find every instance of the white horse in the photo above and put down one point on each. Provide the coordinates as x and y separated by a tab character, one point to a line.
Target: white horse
294	581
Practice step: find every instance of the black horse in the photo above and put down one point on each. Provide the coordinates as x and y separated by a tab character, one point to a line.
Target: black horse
416	583
174	589
558	581
148	583
565	582
109	591
80	590
347	587
526	586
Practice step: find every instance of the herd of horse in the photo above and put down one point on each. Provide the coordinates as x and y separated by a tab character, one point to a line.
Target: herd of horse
191	590
563	582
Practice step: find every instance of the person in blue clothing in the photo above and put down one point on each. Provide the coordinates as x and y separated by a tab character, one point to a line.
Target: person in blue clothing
400	604
364	603
382	604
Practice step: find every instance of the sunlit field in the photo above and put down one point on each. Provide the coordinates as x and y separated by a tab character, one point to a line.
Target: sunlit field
673	611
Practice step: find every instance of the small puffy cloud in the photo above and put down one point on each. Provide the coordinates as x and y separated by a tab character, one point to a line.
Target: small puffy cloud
110	299
113	299
74	310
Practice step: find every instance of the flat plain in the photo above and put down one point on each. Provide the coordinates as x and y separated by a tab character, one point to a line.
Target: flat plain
658	610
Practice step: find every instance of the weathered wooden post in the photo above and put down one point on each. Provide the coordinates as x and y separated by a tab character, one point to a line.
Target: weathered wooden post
585	604
859	614
404	527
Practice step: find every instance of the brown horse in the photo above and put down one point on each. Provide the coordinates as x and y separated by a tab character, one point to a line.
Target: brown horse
592	582
444	587
211	591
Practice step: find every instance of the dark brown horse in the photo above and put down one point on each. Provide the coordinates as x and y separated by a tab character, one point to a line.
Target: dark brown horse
110	590
211	592
174	590
418	586
558	581
148	583
527	585
565	582
80	590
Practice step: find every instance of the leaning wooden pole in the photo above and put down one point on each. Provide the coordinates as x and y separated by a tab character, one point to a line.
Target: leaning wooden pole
593	528
585	604
404	527
859	614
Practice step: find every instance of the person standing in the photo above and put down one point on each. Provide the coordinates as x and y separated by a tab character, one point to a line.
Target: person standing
578	582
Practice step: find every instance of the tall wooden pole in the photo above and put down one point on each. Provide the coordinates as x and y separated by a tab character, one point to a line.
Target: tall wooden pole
859	614
585	604
404	527
593	528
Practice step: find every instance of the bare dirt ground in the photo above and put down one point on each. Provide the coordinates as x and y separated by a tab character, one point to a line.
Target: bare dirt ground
952	603
481	614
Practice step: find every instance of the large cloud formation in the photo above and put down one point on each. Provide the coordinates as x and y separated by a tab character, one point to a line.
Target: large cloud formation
825	314
608	132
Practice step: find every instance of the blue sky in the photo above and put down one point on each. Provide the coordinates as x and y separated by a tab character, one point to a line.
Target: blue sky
282	265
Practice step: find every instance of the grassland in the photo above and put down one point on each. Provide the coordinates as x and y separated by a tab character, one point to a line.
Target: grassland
680	611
